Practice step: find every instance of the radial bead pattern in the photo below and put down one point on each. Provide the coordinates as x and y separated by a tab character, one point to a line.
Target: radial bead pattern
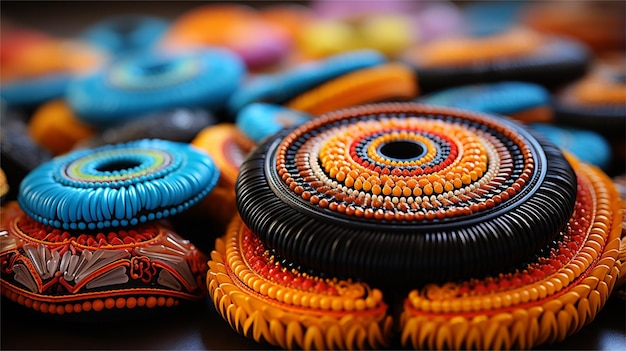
117	185
394	193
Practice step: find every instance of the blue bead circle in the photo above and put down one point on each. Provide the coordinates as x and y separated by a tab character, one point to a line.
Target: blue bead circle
117	184
151	81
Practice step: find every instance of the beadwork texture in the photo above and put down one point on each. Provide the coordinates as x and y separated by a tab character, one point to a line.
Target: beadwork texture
266	299
57	272
406	193
117	185
552	296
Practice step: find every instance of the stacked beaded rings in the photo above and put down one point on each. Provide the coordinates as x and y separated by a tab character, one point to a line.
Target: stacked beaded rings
363	190
117	185
86	236
520	248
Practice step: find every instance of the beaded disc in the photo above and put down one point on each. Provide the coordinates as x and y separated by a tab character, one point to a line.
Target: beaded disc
269	300
526	102
405	193
597	101
126	272
385	82
153	81
117	185
177	124
280	87
517	54
544	299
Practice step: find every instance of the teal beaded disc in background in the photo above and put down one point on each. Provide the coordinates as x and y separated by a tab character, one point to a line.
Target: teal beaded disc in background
117	185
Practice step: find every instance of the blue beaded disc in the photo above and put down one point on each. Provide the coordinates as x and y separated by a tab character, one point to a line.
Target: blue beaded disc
500	98
260	120
154	81
35	91
587	145
117	185
280	87
126	34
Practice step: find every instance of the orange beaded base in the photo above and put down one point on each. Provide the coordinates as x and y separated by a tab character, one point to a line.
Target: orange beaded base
266	300
552	298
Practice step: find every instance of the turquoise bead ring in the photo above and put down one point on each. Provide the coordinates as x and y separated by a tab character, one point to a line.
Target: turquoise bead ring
117	185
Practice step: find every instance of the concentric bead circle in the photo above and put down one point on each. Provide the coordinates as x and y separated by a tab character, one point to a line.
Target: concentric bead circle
117	185
425	191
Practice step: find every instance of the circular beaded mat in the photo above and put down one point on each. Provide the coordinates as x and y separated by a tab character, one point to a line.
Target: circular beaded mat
117	185
151	81
406	193
288	276
57	272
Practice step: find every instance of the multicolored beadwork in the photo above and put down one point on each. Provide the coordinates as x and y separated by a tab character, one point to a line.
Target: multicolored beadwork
265	298
117	185
57	272
542	301
364	188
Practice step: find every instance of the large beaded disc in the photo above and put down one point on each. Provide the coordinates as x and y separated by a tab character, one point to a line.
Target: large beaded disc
117	185
405	193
